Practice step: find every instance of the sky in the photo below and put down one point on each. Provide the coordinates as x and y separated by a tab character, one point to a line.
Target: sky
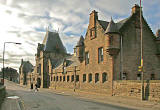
26	21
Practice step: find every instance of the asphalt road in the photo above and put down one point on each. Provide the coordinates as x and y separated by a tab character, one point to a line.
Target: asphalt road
44	100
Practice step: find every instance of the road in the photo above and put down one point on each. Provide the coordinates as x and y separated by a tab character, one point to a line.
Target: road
45	100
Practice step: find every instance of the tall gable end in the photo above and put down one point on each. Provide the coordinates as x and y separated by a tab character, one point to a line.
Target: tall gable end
53	43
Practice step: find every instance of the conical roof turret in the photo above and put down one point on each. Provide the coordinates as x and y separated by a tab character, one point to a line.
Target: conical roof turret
81	41
111	28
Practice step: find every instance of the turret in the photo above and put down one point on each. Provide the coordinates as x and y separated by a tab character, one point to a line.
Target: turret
113	38
79	49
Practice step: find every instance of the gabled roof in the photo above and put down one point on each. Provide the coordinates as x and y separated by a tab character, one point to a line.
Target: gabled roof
53	43
104	24
70	60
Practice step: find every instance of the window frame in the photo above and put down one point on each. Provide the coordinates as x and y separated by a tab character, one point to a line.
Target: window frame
87	58
90	78
100	54
96	77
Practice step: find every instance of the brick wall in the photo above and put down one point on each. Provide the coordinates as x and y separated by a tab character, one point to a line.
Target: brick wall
132	88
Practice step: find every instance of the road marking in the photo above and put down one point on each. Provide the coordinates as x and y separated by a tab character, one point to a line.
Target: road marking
13	97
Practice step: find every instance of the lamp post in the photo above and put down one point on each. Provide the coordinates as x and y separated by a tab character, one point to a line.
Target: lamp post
141	34
4	54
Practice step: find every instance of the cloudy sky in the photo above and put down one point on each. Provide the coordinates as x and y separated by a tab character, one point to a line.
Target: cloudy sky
25	21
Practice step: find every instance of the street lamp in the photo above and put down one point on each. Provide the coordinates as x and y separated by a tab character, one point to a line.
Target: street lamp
4	54
141	36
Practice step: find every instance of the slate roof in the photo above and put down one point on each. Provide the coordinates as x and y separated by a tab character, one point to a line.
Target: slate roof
80	42
112	27
71	61
27	67
53	43
104	24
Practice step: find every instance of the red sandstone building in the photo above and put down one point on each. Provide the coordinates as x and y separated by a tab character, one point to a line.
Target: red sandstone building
109	52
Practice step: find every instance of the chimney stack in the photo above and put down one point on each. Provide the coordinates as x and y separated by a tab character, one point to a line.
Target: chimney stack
92	19
135	9
158	33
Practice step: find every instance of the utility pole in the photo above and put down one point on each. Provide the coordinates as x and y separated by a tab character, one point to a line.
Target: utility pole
141	33
4	54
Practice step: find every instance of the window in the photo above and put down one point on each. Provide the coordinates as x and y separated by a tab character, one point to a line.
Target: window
77	78
51	77
100	54
138	76
104	77
96	77
39	69
90	77
60	78
92	33
57	78
72	78
64	78
87	58
152	77
67	78
124	76
84	77
54	78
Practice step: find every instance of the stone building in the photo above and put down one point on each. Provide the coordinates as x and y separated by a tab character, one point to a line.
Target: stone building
51	50
110	51
11	74
25	68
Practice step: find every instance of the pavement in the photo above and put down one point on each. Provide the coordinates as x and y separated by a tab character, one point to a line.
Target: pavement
22	98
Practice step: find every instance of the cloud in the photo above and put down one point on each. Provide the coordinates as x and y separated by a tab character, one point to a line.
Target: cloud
26	21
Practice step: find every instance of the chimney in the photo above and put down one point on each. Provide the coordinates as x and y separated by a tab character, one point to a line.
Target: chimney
158	33
92	19
135	9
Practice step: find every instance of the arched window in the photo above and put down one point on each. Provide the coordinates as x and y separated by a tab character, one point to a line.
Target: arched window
96	77
72	78
77	78
89	77
57	78
84	77
64	78
104	77
54	78
60	78
67	78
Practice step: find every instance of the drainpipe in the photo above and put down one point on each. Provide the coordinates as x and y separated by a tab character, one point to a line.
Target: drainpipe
74	78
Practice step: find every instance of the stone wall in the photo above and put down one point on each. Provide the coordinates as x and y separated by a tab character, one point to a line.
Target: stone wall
132	88
2	94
